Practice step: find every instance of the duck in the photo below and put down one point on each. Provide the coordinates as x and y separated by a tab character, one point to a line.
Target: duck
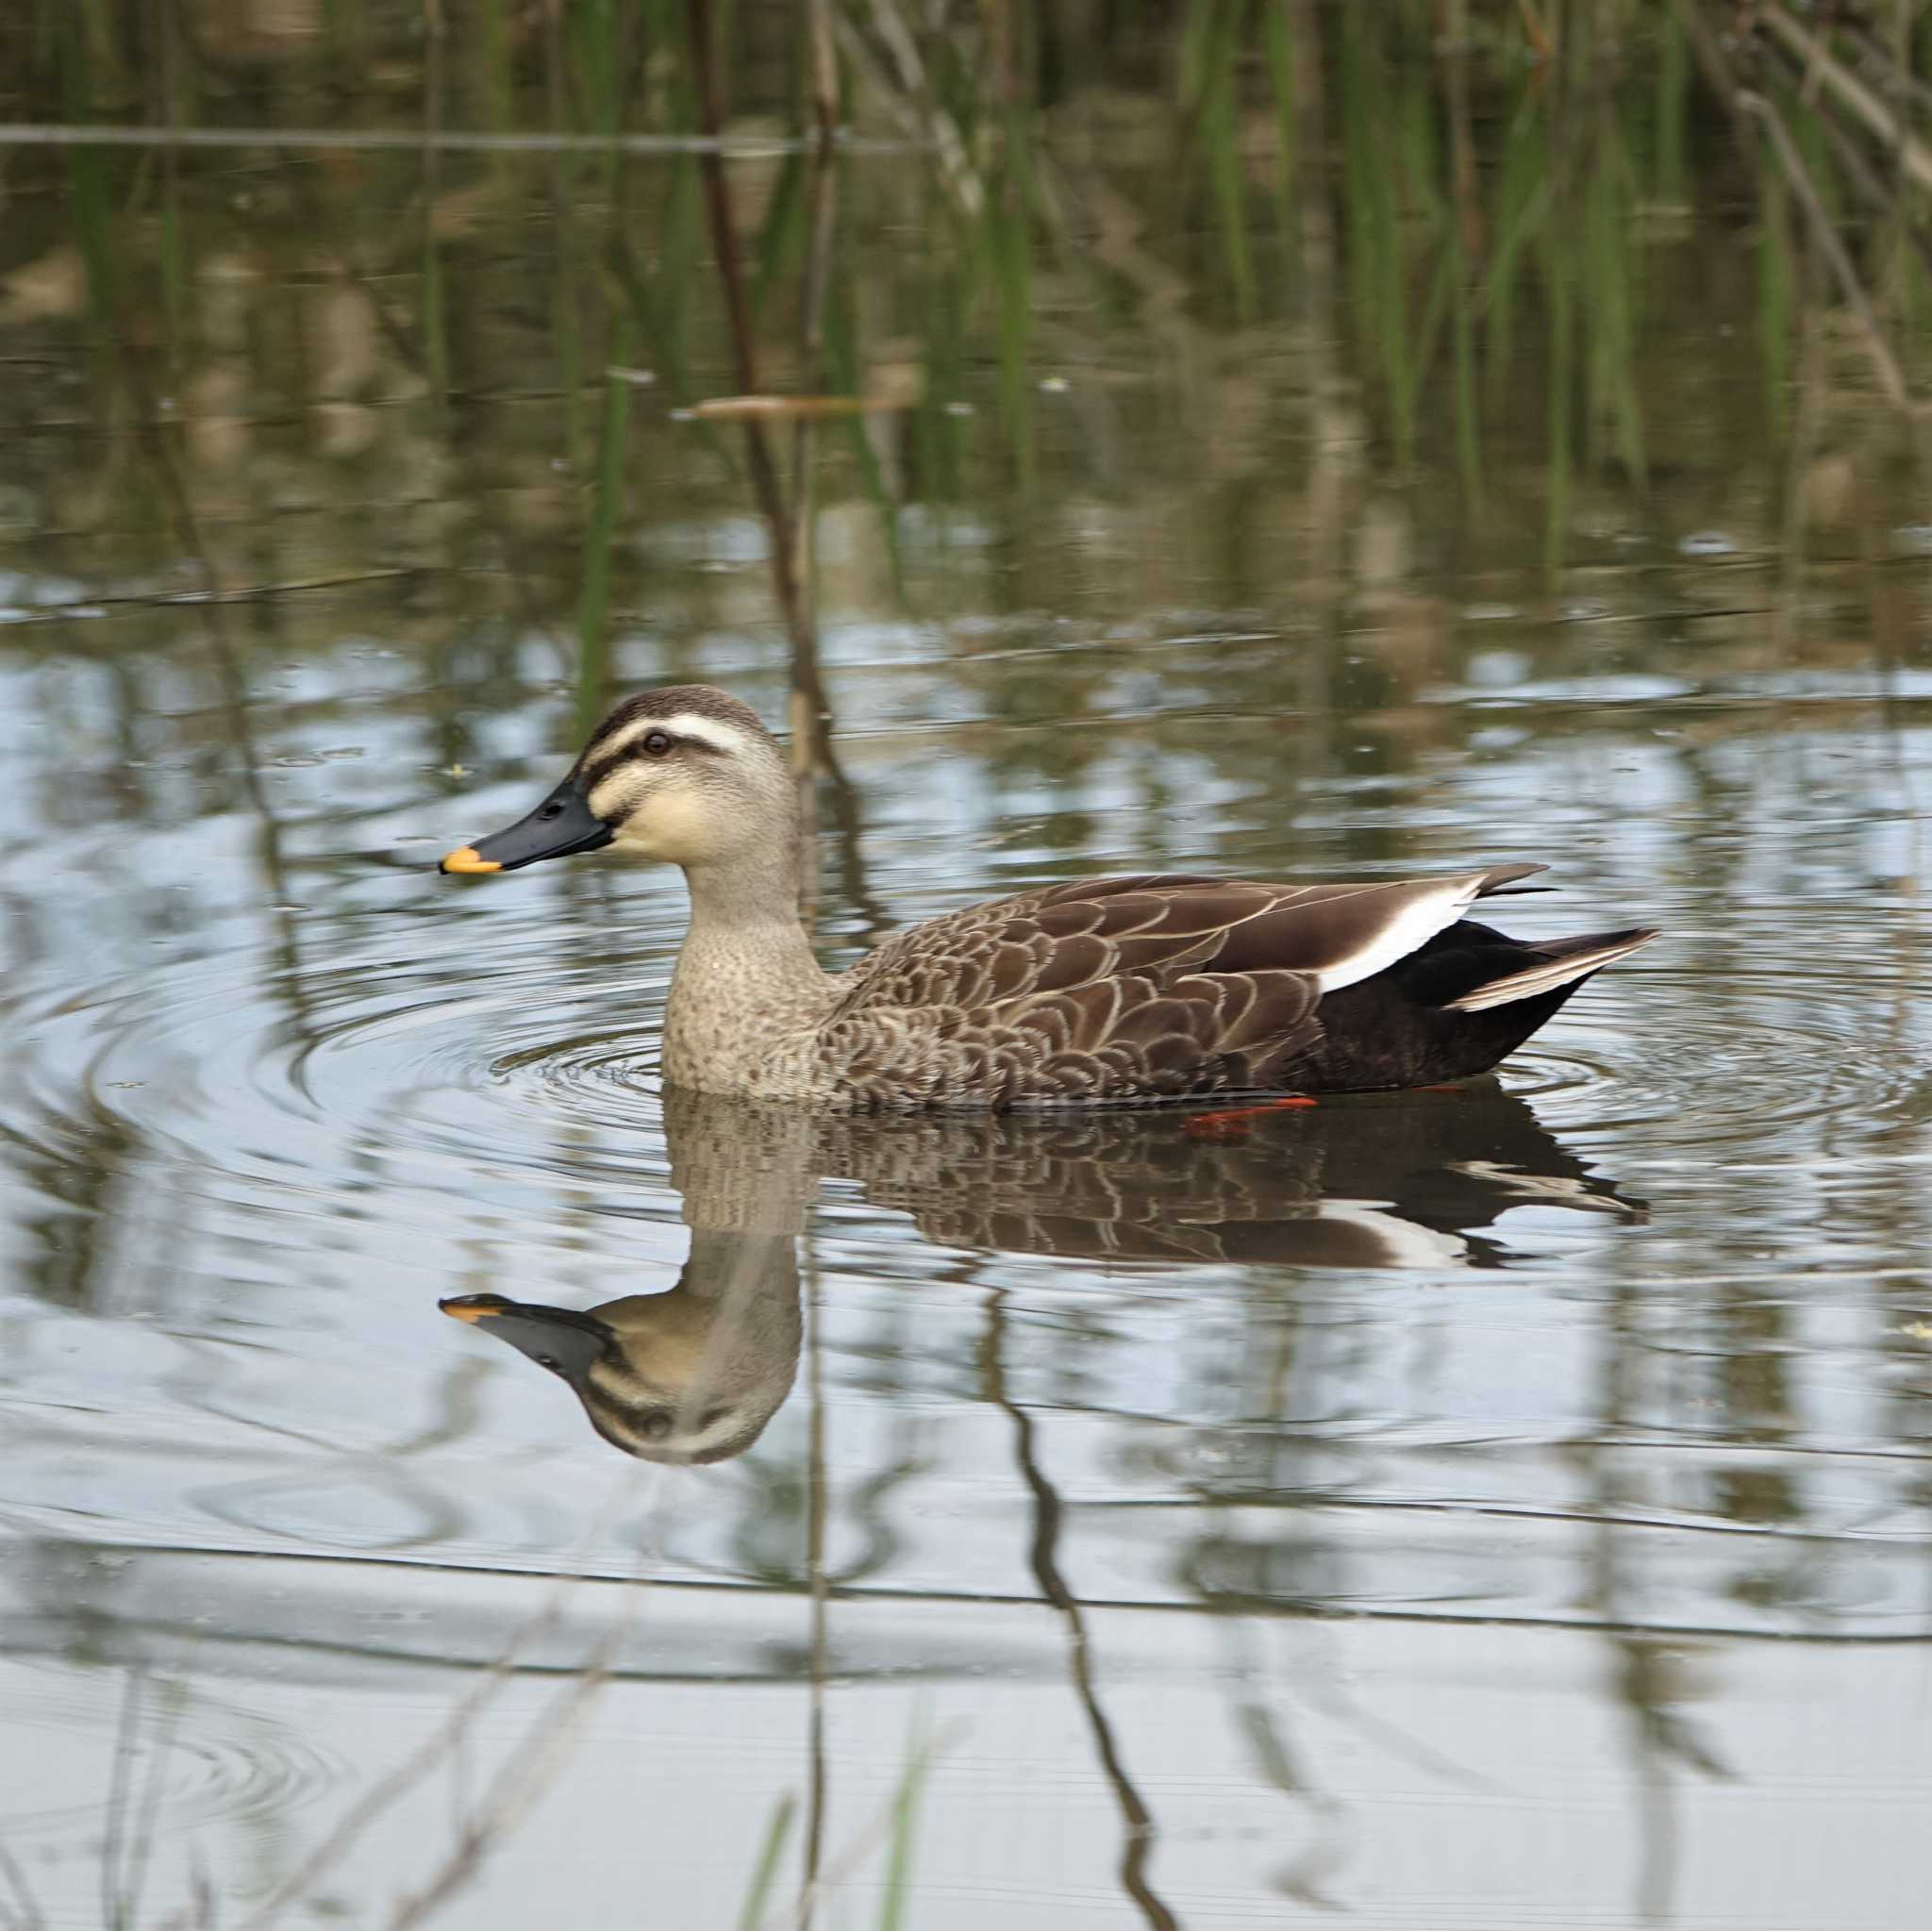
1148	988
691	1375
684	1377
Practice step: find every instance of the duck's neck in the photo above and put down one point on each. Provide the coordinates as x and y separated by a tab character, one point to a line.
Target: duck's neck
746	978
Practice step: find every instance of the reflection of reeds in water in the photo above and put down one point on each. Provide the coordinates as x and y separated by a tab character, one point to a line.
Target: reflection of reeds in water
156	1705
594	607
1497	177
1138	1828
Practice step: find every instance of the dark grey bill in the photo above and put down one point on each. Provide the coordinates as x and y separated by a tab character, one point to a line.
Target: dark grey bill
562	824
558	1338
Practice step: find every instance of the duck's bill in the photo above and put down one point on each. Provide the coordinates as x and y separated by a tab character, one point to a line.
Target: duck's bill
561	825
476	1306
559	1339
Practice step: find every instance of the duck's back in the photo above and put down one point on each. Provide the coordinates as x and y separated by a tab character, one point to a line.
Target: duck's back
1163	987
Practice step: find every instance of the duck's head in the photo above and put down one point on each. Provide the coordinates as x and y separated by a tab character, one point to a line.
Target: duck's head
690	1375
687	775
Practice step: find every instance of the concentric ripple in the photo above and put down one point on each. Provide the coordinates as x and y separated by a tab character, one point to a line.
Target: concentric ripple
225	1765
1720	1064
371	1053
510	1040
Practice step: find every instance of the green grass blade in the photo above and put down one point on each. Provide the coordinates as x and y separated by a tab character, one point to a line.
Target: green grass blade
1561	402
1279	46
782	237
593	605
1776	300
1522	209
434	328
1194	61
1219	133
1008	240
905	1827
1378	294
1672	97
1420	147
843	367
1417	362
1469	441
752	1912
496	59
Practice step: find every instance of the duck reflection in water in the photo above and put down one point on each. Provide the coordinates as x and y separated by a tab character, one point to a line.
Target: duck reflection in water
693	1374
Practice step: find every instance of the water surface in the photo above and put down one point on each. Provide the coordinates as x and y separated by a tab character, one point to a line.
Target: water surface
1506	1506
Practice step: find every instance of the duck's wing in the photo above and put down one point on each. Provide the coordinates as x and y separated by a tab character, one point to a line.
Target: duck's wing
1160	925
1148	984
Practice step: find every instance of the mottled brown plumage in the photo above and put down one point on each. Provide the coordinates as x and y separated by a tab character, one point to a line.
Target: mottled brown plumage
1096	992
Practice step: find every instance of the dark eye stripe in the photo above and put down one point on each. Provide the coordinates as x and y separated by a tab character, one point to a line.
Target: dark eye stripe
594	775
616	761
596	772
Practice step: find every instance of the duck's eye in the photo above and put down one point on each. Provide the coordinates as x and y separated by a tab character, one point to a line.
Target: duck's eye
658	744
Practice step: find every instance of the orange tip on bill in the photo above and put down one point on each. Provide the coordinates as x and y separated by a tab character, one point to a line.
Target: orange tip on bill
465	860
470	1308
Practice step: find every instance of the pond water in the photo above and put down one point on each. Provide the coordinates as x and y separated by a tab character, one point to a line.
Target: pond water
1505	1506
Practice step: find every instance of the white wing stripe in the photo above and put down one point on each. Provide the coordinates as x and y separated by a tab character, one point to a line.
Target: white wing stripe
1409	925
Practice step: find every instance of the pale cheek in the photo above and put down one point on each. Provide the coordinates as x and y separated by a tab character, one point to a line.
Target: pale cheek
671	829
609	800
